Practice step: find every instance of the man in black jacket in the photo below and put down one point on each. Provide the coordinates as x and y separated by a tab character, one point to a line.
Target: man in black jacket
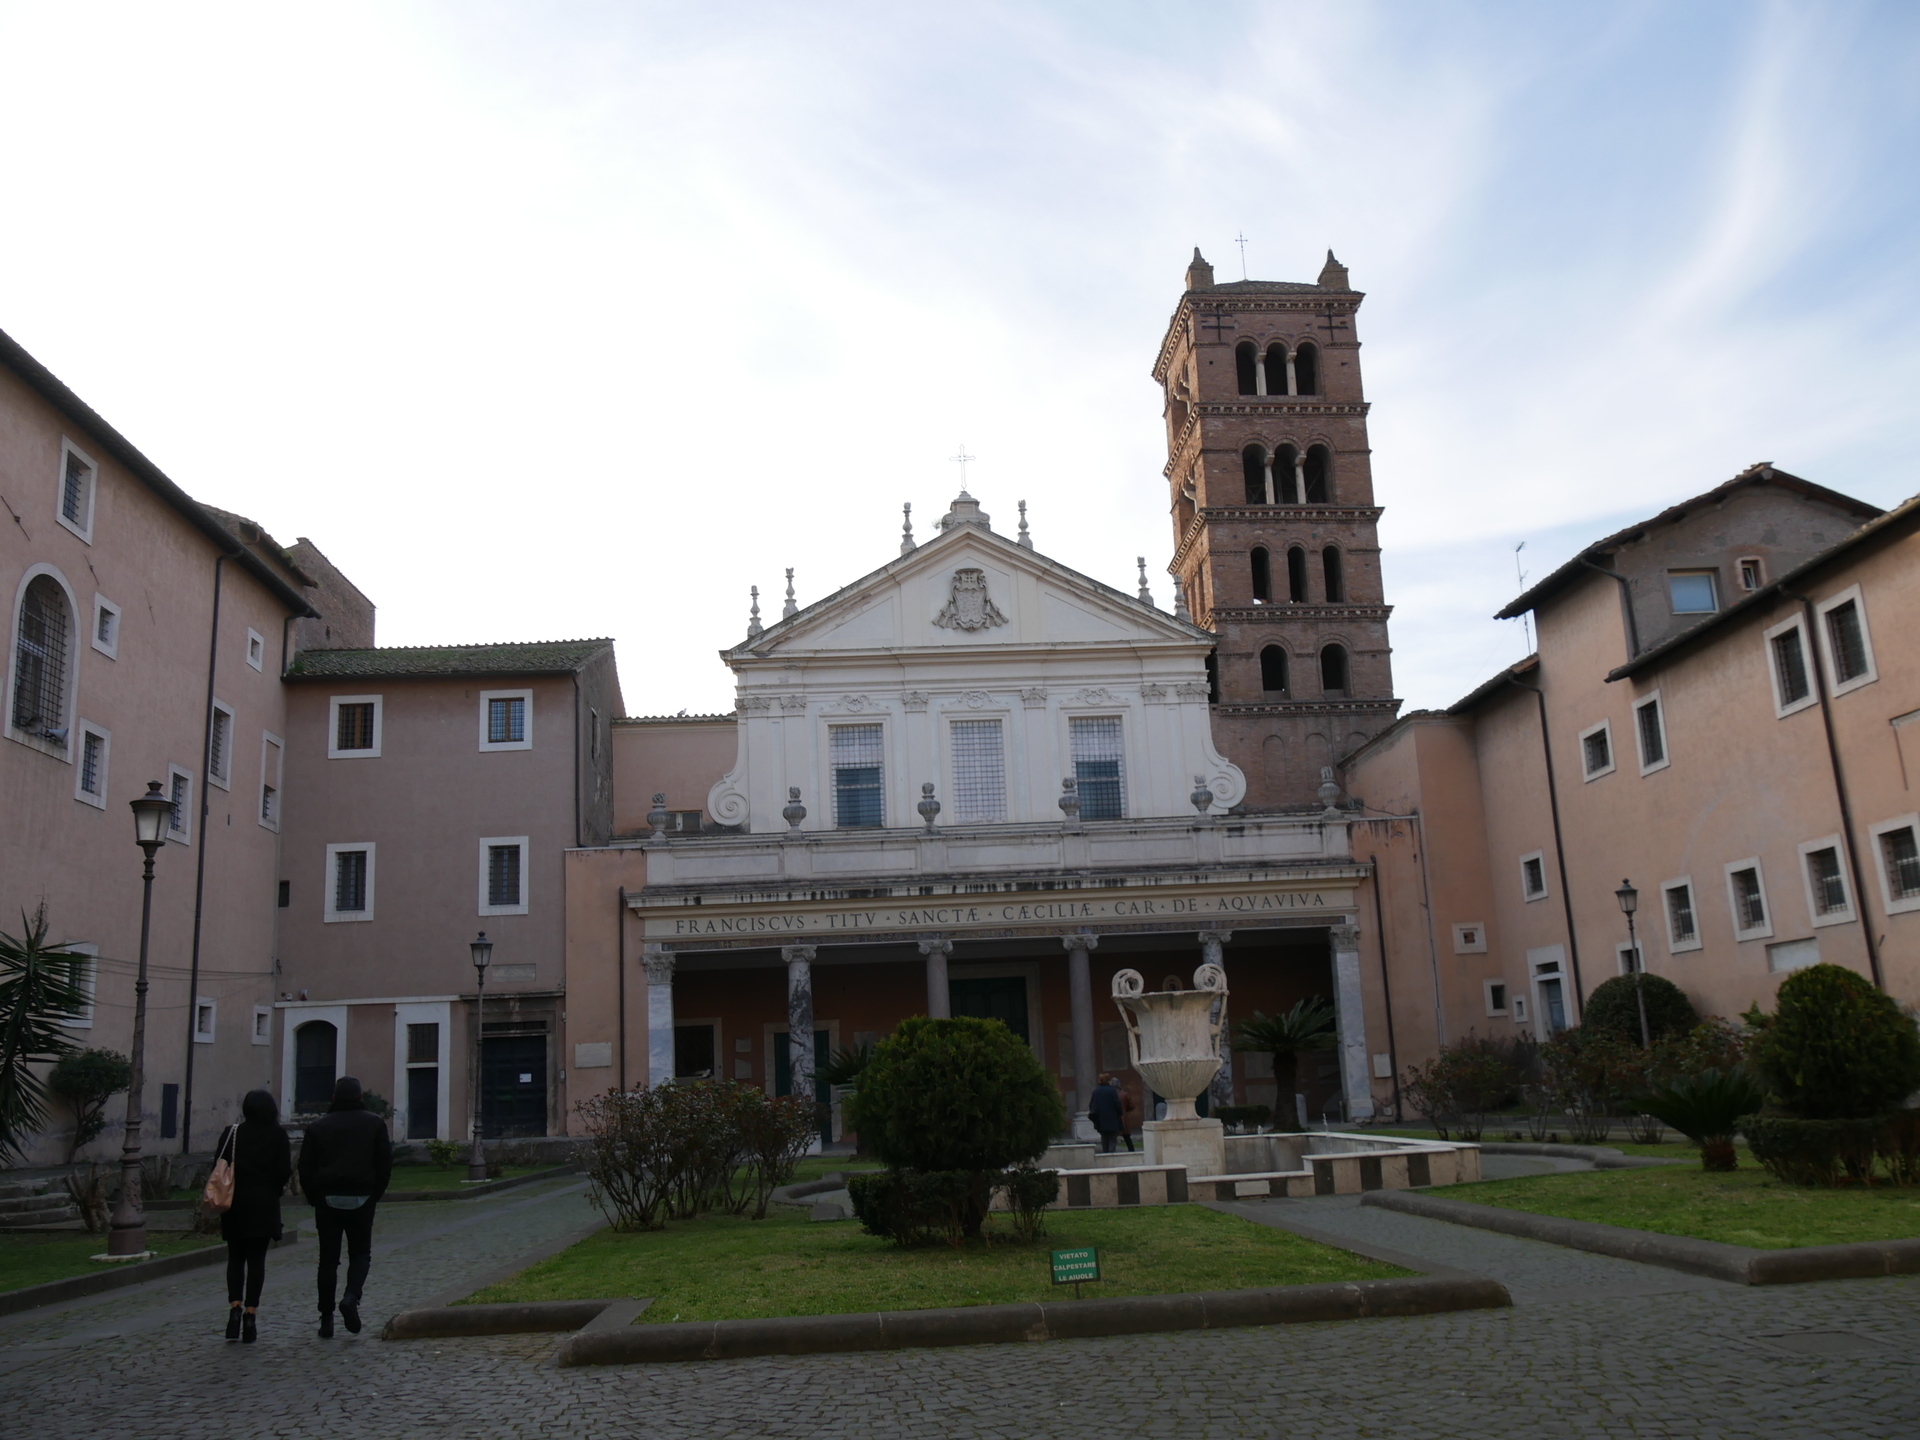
345	1163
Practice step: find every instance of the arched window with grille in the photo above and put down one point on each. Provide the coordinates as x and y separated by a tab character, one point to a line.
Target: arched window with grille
1333	670
1297	575
42	660
1306	369
1335	580
1246	363
1273	669
1319	475
1262	575
1253	465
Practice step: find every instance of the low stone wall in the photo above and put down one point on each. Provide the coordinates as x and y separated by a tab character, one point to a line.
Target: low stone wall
1294	1166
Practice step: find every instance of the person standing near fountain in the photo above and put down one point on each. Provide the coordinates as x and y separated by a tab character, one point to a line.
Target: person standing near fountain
1107	1110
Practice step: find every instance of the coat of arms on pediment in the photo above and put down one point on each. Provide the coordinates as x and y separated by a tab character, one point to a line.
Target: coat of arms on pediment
968	608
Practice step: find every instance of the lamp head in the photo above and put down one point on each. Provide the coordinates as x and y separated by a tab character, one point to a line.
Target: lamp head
152	818
482	949
1628	897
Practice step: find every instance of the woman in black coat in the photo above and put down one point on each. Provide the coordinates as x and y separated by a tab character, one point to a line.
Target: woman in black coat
262	1164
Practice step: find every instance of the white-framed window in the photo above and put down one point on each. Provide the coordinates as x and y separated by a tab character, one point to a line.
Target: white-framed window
1470	938
1650	733
1098	748
272	759
1533	876
1792	670
506	719
262	1032
1793	954
256	649
1517	1008
1682	915
220	746
1496	996
348	885
89	979
354	723
1693	592
205	1013
1823	870
105	634
1627	958
1747	898
1596	750
79	479
979	772
43	662
1753	574
855	754
503	875
180	792
1845	645
1896	854
90	764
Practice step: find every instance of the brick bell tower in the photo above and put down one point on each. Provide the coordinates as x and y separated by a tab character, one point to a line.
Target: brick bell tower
1275	548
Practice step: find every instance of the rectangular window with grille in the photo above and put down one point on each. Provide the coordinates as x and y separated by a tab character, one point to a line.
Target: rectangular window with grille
1596	751
506	720
1653	735
349	880
423	1044
855	752
220	745
180	792
1533	877
1682	928
73	491
1790	667
1749	901
1849	642
1824	879
1096	747
354	727
979	773
503	875
93	762
1900	853
270	782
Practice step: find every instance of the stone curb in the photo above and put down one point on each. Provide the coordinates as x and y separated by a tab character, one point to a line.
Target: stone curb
1735	1263
1604	1157
1025	1323
118	1277
492	1187
525	1318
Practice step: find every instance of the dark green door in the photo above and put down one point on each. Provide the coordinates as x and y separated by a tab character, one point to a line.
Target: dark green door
1003	998
513	1085
783	1076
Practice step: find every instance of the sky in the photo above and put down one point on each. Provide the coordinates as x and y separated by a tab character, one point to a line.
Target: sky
545	321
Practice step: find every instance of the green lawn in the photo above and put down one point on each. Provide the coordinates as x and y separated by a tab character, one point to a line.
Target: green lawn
1674	1147
1744	1207
453	1177
724	1268
55	1255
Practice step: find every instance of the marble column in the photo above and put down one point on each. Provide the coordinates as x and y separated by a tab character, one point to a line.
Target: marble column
1355	1083
1293	380
659	962
1211	953
939	999
1267	469
1085	1047
799	960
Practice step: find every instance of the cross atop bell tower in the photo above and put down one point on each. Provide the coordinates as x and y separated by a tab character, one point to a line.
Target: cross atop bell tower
1271	491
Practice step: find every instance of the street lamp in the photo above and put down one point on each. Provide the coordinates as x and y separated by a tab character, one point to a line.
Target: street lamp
482	949
1629	899
152	818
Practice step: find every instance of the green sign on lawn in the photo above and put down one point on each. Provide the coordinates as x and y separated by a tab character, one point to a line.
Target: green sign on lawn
1070	1267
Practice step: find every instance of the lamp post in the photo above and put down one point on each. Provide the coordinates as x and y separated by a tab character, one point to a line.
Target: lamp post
152	816
482	949
1629	899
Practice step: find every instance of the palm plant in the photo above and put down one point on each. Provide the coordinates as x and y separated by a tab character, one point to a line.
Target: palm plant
40	986
1305	1029
1707	1108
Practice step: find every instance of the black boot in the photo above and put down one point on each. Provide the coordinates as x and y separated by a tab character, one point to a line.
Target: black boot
350	1315
233	1323
326	1324
247	1333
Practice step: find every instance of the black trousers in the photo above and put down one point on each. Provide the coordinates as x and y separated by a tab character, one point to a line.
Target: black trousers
356	1226
246	1265
1108	1137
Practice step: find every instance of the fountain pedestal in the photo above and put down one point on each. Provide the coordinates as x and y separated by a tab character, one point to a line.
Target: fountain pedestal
1197	1143
1172	1036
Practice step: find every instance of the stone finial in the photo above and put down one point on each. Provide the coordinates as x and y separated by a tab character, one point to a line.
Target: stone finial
794	812
1199	272
906	530
1329	793
754	627
791	607
1025	538
1146	595
1070	799
657	817
928	807
1202	797
1180	611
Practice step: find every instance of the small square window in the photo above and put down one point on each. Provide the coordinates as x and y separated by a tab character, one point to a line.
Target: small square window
1693	592
256	650
506	719
1596	750
355	723
503	877
106	627
1629	959
1496	991
90	784
1470	939
262	1025
203	1020
1517	1006
78	481
1752	574
1896	851
1533	876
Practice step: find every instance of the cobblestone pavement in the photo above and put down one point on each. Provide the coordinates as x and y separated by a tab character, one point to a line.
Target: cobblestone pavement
1596	1348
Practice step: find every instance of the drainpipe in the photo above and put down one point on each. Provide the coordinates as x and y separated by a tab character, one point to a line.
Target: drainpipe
1386	985
1839	786
1559	843
622	931
200	866
1433	945
1626	604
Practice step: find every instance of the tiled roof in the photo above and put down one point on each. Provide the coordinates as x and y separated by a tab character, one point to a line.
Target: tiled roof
539	657
683	718
1287	286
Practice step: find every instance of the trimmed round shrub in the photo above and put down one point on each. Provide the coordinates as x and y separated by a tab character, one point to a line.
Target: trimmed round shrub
1613	1008
1837	1049
959	1094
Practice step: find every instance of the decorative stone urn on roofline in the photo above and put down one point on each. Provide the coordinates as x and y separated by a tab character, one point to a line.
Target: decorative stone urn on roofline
1173	1035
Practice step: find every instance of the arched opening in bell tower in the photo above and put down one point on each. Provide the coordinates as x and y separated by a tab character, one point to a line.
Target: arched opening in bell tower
1273	670
1246	363
1253	465
1335	580
1306	369
1297	575
1319	475
1262	575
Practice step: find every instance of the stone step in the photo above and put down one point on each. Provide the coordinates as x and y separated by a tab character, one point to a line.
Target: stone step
60	1214
32	1204
20	1189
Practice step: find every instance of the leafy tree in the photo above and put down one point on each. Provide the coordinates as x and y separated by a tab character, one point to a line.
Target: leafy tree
845	1065
40	985
1837	1049
1614	1008
1308	1028
86	1080
1707	1108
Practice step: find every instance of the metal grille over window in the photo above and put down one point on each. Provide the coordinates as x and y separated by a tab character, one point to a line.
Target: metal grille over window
1598	754
40	660
1902	854
423	1044
1790	664
217	744
1752	906
1534	876
503	875
1653	746
979	772
355	727
73	491
350	880
858	797
507	721
92	751
1829	890
1680	922
182	790
1849	642
1096	765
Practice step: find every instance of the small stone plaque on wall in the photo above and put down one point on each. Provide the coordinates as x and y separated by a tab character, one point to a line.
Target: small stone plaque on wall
594	1055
